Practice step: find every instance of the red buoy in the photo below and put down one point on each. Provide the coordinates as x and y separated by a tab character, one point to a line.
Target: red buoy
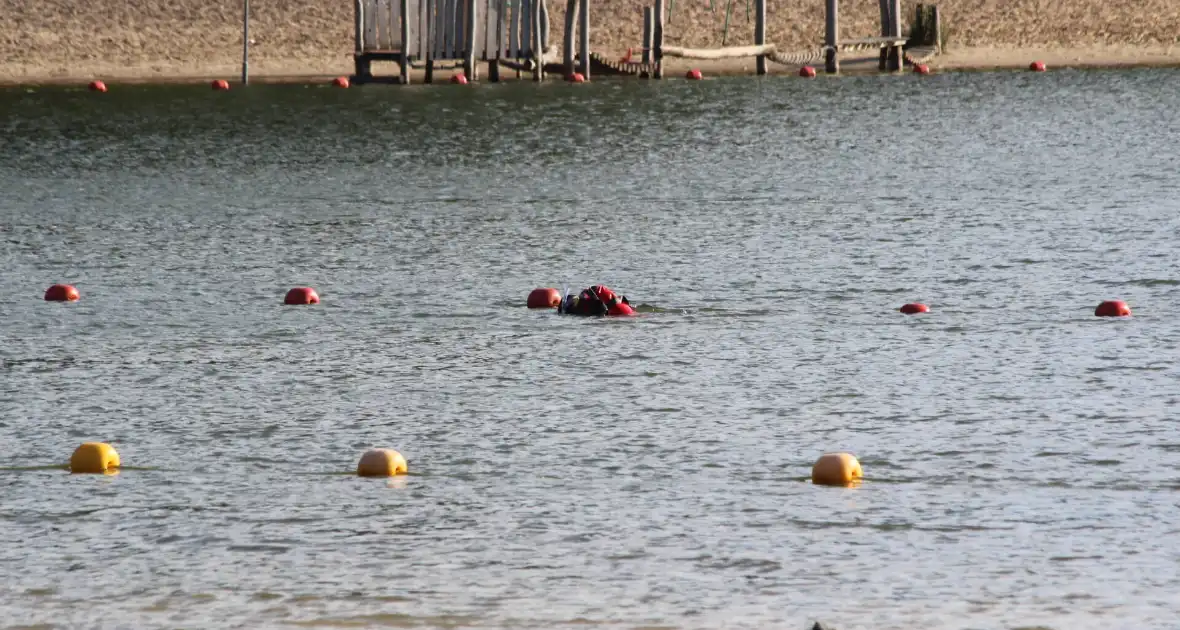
807	72
302	295
61	293
620	310
914	308
544	298
459	79
1037	66
694	75
1109	308
921	68
221	85
97	86
575	77
340	82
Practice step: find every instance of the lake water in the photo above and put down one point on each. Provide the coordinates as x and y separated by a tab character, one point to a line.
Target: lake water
1020	454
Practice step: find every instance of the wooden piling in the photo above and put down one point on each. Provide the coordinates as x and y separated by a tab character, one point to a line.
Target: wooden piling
538	52
245	42
831	36
567	42
405	34
886	31
658	34
526	29
544	24
584	36
895	52
428	39
494	60
469	69
513	7
647	41
937	29
760	33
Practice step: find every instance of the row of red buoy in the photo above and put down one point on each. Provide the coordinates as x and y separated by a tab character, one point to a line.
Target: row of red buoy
69	293
807	72
1109	308
548	297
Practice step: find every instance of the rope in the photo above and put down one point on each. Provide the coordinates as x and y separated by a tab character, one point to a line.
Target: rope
798	58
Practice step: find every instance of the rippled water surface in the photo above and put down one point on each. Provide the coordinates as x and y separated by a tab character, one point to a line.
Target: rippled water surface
1021	455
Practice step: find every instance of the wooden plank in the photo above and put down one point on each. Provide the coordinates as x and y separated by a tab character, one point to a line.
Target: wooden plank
360	25
385	40
584	37
491	17
459	30
371	18
731	52
501	36
513	44
871	41
423	29
438	35
442	36
831	36
431	28
526	29
760	33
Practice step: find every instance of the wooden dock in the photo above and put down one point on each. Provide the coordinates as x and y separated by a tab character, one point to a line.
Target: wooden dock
514	35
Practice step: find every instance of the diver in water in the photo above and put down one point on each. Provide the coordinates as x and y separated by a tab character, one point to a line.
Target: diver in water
597	300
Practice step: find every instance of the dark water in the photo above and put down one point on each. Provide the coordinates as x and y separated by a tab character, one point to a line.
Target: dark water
1021	455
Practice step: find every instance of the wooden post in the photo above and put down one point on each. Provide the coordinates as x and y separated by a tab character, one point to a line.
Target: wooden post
538	53
886	27
423	28
567	42
544	24
831	36
760	32
584	36
494	60
513	7
405	34
428	8
937	29
658	55
895	54
245	42
526	29
647	15
469	52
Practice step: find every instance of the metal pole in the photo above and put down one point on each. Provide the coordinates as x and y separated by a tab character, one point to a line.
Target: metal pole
245	42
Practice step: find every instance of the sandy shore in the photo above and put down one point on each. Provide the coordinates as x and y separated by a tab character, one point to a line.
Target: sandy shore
187	40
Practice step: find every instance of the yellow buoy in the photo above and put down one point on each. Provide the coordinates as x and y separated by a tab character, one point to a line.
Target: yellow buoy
836	469
94	457
381	462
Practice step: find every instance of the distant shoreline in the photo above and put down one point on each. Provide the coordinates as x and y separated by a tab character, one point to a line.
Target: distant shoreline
956	59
